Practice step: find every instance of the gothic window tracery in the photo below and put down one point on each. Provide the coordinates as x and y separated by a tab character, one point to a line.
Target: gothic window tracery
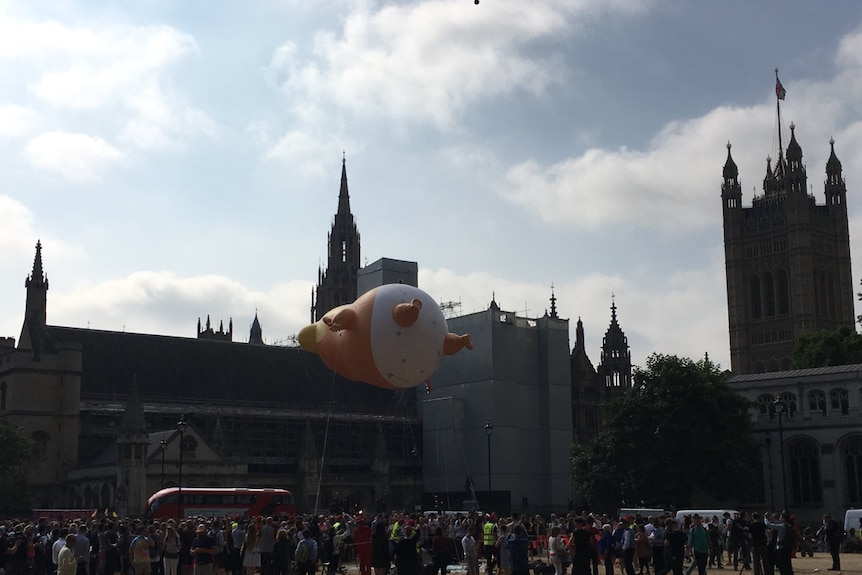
817	401
789	399
851	455
804	460
839	400
765	404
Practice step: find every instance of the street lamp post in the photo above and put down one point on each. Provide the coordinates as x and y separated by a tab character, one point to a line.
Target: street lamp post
780	407
164	444
181	427
417	465
769	465
489	431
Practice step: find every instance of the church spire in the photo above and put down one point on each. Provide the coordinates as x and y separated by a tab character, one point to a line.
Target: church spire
337	284
343	193
579	335
616	364
255	336
836	189
37	277
553	303
731	190
35	310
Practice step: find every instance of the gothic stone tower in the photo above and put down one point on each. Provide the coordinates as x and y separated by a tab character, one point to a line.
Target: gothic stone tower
40	389
787	261
591	388
336	284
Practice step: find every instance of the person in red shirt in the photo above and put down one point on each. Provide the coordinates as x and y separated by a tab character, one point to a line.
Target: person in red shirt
362	545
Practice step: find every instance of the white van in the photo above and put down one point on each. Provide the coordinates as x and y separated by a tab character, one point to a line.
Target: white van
852	518
705	514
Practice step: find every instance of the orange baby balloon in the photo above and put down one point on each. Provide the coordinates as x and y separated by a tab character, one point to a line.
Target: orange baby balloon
393	336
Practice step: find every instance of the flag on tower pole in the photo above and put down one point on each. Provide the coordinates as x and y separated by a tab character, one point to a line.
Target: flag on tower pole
779	89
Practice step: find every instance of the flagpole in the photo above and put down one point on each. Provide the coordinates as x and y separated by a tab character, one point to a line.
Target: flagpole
778	110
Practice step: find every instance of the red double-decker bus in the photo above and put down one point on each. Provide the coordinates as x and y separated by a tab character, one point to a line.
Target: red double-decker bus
220	502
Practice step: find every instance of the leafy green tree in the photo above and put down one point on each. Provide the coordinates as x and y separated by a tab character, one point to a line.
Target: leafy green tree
17	454
840	347
679	431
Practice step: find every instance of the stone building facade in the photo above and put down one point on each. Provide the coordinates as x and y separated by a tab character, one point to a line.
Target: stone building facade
787	261
812	453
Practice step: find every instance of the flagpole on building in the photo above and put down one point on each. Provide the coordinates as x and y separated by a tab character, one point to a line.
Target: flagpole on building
779	95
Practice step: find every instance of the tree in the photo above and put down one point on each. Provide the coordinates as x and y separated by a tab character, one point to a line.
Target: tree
680	430
840	347
17	453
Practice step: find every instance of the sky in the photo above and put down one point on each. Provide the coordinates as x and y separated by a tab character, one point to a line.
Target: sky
183	159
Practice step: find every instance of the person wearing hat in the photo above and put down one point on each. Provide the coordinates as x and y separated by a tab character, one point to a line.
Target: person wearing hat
204	549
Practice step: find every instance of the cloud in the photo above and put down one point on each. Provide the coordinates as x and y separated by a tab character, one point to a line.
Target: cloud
673	185
160	123
165	304
430	61
16	120
16	230
120	71
107	64
76	157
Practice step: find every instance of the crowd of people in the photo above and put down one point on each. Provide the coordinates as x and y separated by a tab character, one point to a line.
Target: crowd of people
412	544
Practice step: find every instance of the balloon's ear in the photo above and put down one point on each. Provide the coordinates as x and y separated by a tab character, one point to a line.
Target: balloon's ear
344	318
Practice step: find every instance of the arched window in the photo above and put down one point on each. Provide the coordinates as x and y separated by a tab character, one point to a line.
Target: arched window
769	296
754	291
851	455
759	367
817	401
839	400
824	295
789	399
804	472
772	365
40	444
190	446
783	292
765	404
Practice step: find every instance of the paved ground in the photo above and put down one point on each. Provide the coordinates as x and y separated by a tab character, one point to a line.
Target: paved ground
851	563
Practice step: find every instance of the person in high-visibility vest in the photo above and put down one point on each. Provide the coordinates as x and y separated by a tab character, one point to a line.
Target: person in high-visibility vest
489	541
